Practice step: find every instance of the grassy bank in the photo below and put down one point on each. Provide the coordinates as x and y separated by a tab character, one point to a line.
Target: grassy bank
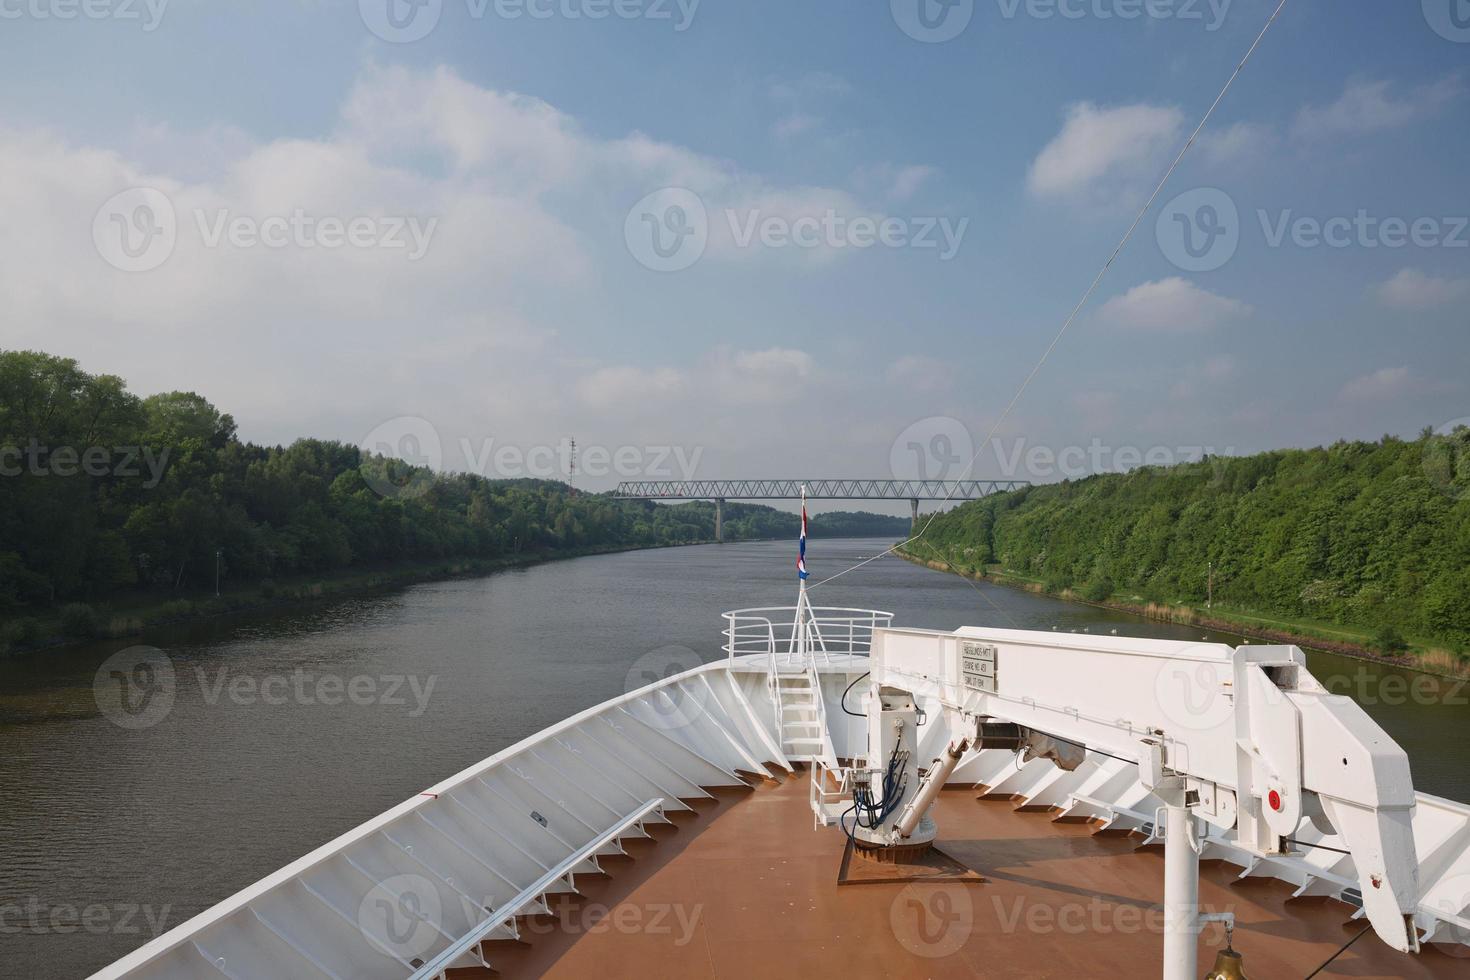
1325	636
133	615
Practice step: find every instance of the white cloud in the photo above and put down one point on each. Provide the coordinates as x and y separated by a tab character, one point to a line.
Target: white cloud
1414	290
723	377
1214	371
921	372
1380	385
893	182
512	140
189	155
489	242
1105	152
776	362
908	180
725	399
1242	142
1373	106
1172	305
768	378
798	96
483	335
794	125
615	387
738	217
816	84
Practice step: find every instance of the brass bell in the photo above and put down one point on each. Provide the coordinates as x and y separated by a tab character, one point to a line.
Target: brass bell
1228	966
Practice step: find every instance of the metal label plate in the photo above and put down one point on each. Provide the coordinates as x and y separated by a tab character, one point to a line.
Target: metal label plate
978	668
976	650
981	685
982	667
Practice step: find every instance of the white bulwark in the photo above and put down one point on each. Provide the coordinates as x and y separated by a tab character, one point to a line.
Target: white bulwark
1241	746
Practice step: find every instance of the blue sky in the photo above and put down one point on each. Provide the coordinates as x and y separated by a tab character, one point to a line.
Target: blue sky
523	151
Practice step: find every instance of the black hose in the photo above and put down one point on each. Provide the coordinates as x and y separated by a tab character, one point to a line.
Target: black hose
865	813
870	815
845	693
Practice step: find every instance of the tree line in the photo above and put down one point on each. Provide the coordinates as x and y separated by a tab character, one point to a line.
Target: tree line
104	494
1373	535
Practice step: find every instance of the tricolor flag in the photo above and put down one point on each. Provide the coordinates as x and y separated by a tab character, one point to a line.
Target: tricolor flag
801	557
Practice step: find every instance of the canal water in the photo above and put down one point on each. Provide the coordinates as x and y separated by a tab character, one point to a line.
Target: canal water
281	731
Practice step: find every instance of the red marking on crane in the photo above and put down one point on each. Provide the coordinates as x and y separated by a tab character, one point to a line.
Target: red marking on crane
1275	800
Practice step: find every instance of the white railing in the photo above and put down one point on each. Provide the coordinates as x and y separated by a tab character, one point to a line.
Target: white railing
829	801
506	914
329	888
829	753
824	632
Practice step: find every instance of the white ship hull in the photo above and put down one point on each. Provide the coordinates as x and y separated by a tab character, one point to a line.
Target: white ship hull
422	888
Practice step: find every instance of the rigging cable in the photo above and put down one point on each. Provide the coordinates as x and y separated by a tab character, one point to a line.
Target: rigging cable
1320	847
1148	206
971	584
1344	949
1088	748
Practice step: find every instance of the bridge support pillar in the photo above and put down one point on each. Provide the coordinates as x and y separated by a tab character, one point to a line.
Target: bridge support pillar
914	523
719	520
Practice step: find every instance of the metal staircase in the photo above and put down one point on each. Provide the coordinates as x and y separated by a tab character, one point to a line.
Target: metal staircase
793	641
803	729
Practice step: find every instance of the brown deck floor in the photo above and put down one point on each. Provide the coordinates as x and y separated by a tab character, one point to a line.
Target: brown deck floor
747	889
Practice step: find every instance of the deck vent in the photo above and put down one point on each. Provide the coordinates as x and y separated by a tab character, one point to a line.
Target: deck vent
1352	896
538	818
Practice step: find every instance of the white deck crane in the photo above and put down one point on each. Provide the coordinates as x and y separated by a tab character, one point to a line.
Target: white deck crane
1244	739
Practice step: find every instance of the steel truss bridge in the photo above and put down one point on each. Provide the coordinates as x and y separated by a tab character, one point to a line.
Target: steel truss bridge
722	490
816	489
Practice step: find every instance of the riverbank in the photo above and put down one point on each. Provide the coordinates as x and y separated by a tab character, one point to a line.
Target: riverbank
1326	637
131	616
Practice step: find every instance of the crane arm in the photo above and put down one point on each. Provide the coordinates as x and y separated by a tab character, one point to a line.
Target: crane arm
1245	738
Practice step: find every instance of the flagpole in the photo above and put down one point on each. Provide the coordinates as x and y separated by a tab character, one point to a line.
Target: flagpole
802	609
803	539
